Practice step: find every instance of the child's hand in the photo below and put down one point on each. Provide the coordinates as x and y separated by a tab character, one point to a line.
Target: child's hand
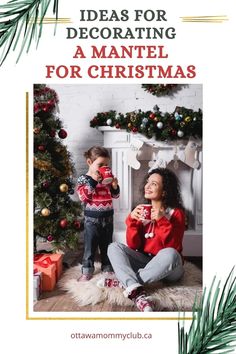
114	183
136	214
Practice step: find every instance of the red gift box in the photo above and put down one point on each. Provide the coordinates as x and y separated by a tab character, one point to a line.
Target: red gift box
55	258
48	269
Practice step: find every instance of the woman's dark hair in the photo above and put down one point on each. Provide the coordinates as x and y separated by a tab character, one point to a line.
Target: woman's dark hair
96	151
171	187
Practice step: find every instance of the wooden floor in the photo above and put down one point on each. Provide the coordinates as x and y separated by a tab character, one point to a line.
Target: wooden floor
60	301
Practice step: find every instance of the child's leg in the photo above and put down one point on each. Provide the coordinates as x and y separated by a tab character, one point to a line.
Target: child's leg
105	238
91	235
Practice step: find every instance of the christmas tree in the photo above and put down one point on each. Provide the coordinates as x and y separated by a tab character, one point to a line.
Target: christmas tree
56	216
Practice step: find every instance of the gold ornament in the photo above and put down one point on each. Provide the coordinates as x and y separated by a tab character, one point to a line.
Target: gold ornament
45	212
129	125
36	130
64	187
187	119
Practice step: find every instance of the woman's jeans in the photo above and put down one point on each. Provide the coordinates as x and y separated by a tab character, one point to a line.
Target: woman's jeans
97	233
133	268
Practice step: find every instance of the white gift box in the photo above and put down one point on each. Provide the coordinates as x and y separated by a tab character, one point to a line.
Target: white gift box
37	285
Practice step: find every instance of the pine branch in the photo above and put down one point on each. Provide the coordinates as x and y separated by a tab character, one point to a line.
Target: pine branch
213	328
21	19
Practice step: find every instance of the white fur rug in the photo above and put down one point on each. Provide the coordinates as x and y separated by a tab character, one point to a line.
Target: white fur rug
178	296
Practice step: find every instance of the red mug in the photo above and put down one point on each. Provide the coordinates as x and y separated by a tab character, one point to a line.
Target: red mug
106	174
146	212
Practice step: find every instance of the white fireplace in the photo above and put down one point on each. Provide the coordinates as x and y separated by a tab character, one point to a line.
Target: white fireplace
132	157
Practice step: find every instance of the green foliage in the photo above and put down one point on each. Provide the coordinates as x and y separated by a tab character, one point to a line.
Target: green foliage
22	20
181	124
53	170
213	329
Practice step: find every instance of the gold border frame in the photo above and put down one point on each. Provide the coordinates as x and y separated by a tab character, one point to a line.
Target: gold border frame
28	258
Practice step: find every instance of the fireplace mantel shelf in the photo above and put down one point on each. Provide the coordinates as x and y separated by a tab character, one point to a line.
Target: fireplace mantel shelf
181	143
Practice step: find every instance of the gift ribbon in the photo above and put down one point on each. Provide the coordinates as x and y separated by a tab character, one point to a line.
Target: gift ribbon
45	263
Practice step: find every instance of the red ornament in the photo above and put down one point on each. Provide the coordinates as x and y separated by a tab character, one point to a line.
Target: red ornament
152	116
52	133
173	132
36	108
77	224
62	134
41	148
50	238
117	126
134	130
63	223
44	107
45	184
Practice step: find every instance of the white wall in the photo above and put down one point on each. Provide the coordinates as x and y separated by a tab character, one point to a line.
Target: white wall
80	103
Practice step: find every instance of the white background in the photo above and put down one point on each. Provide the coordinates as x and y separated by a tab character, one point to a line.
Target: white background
210	48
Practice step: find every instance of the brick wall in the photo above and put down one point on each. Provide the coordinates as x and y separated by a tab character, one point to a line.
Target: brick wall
80	103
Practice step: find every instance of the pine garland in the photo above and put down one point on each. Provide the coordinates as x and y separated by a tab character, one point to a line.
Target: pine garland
183	123
22	19
213	329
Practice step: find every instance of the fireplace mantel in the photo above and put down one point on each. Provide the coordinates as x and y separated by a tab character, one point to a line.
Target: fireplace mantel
129	149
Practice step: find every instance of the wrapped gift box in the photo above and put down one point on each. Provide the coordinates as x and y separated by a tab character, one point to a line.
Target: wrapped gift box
37	284
48	269
56	259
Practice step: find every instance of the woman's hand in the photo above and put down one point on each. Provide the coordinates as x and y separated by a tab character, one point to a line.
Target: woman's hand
136	214
156	214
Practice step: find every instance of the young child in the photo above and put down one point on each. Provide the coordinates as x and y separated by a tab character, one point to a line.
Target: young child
98	211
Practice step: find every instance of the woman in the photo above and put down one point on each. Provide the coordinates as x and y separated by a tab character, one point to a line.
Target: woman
153	250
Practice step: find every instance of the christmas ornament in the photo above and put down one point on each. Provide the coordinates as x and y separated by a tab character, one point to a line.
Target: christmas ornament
50	238
164	121
178	116
41	148
134	130
187	119
45	212
145	120
52	133
133	118
37	130
62	134
77	224
109	122
180	133
159	125
152	116
63	223
64	187
45	184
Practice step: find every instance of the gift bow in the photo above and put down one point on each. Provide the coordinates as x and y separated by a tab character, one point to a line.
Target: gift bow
45	263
